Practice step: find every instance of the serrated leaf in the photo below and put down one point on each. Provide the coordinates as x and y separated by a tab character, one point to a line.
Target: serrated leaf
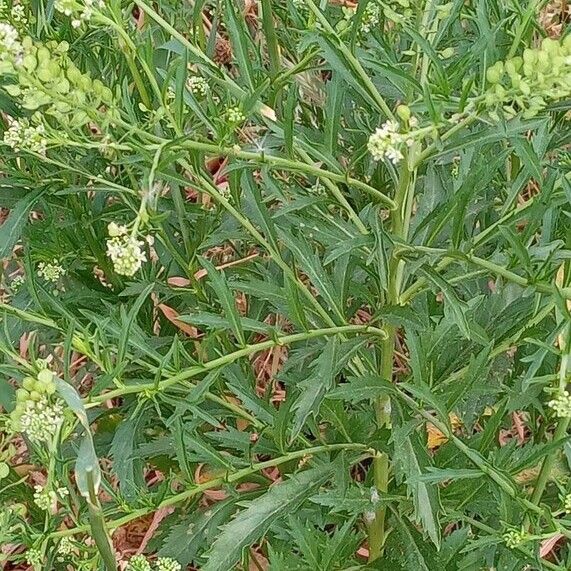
457	306
361	388
254	522
315	387
225	297
410	460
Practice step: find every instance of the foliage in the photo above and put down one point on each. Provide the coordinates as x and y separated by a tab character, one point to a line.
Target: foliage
285	283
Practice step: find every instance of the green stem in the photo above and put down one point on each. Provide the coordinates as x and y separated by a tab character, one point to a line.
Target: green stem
286	164
217	482
231	357
400	220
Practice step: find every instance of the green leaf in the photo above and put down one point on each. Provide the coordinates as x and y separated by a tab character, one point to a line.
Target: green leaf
11	228
218	282
315	386
457	307
529	159
87	468
410	461
362	388
406	549
254	522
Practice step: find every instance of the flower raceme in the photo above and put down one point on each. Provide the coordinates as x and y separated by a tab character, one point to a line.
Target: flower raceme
125	250
528	83
37	414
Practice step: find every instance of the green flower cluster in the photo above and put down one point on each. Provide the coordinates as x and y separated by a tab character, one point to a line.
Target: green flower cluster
140	563
37	413
514	538
44	77
528	83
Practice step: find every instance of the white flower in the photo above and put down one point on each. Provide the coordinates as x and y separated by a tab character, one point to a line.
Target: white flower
197	85
385	142
41	419
34	557
43	498
371	17
23	136
51	271
9	40
567	503
125	251
561	404
168	564
65	546
82	11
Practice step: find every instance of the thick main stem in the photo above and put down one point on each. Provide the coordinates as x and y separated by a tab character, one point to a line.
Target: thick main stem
400	218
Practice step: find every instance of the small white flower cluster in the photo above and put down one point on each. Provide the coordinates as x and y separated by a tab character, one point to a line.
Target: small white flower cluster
15	13
140	563
567	503
18	14
125	250
34	557
10	45
371	17
235	115
561	404
197	85
45	498
514	538
387	142
65	546
82	12
41	419
17	283
22	136
51	271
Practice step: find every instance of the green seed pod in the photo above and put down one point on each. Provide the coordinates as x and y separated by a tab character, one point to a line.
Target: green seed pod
106	95
50	389
84	83
494	73
500	92
43	72
543	61
403	112
30	62
22	395
518	62
73	74
490	98
529	56
45	376
28	383
447	53
97	86
54	69
62	47
40	387
62	86
510	68
35	396
27	43
44	54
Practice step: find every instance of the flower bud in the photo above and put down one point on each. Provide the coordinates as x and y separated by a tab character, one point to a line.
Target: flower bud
403	112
